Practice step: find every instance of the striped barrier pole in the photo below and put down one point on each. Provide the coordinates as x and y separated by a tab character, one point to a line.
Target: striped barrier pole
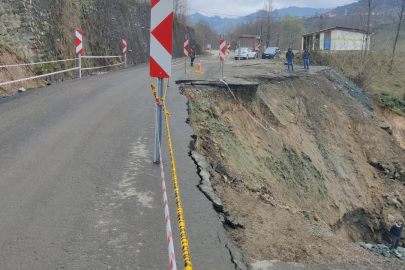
185	54
125	50
169	234
79	49
222	52
160	57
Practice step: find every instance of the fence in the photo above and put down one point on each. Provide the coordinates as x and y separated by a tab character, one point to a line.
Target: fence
79	51
79	67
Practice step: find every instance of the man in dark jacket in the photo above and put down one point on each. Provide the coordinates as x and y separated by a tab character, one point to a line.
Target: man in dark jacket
396	231
306	56
192	56
290	59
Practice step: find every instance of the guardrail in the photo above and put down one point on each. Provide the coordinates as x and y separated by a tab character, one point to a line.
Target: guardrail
79	67
79	52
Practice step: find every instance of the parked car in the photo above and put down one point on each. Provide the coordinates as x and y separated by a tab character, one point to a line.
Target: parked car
245	53
271	52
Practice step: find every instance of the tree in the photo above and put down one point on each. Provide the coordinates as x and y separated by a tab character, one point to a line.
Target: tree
205	34
401	9
292	30
180	8
268	13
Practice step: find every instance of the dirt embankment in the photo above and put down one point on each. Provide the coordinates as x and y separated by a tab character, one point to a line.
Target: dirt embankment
326	176
14	73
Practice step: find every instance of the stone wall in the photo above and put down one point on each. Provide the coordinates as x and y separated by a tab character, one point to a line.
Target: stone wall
15	28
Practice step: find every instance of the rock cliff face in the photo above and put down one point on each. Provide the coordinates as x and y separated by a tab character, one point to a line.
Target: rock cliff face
45	29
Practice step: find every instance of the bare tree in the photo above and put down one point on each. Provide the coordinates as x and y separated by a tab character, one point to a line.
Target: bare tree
366	11
269	17
180	8
401	7
205	34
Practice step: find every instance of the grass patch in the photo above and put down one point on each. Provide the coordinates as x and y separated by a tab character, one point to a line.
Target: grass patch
370	72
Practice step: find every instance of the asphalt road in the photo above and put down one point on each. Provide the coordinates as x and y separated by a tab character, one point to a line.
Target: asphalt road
78	188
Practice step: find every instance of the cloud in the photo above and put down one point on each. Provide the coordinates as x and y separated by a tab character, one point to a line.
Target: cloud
243	7
231	7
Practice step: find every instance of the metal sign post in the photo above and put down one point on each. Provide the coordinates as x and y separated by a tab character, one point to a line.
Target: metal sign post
185	54
161	40
125	50
159	119
80	66
222	52
79	49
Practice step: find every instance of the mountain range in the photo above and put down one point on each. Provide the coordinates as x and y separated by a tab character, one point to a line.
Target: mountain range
221	23
378	6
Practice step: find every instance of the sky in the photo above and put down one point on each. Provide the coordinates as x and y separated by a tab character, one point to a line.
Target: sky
246	7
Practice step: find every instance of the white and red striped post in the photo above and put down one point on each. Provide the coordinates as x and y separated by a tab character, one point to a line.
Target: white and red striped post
125	50
185	53
222	52
169	234
79	49
161	40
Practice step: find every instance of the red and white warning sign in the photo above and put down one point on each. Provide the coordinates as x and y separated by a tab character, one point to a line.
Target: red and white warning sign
222	50
161	38
228	50
124	46
185	53
79	42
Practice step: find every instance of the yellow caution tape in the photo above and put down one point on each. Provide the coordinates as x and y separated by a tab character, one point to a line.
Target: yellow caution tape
182	225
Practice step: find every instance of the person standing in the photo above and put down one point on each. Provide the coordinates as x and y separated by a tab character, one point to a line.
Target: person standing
290	59
306	57
192	56
396	231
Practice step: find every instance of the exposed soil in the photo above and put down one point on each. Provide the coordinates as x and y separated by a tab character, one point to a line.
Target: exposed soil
14	73
397	123
323	175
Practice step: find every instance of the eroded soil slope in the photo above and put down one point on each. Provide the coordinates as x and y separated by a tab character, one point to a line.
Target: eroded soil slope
323	174
15	73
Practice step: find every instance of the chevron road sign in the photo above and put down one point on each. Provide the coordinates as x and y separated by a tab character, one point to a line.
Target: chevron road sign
79	42
124	46
185	54
161	38
222	50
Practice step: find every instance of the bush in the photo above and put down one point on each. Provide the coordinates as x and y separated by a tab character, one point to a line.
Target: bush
395	104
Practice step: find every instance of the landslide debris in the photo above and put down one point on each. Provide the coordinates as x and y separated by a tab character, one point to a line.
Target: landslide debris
323	176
